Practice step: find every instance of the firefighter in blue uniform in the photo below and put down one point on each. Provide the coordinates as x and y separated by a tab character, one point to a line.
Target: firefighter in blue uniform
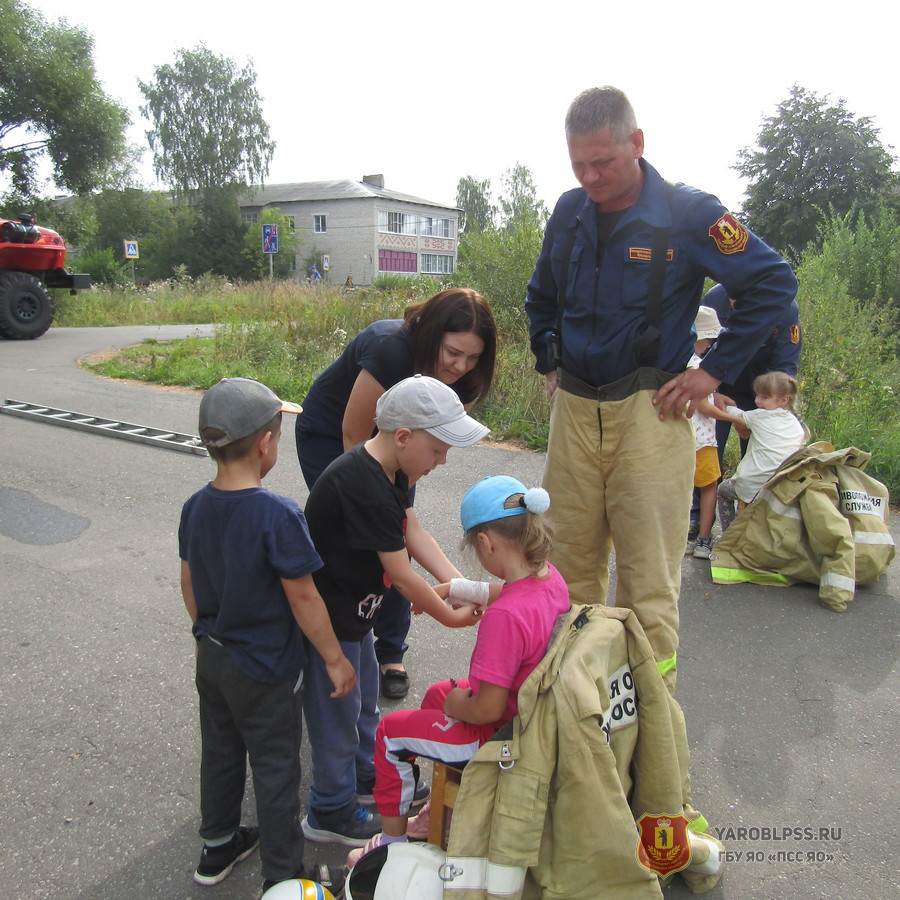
612	332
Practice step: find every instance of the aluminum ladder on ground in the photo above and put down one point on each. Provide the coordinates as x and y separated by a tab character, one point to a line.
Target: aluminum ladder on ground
143	434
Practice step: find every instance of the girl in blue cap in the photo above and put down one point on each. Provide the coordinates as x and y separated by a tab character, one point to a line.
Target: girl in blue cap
505	526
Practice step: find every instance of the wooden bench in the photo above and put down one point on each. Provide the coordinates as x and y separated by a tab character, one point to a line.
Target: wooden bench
445	782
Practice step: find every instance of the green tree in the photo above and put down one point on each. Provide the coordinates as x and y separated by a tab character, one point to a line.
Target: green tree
519	202
473	197
149	218
52	106
498	262
128	214
208	128
219	238
813	159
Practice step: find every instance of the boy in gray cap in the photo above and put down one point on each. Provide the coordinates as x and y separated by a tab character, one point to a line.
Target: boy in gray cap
365	533
246	578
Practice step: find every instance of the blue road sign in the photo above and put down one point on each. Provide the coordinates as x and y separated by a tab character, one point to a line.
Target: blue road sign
270	238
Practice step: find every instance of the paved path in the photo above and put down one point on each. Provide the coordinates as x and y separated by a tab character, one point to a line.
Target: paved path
791	709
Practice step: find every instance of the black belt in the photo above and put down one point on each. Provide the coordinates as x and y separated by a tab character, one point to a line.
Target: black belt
643	379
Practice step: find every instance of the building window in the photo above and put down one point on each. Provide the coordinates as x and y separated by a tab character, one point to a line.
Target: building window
319	224
290	223
396	222
396	261
439	228
250	218
437	264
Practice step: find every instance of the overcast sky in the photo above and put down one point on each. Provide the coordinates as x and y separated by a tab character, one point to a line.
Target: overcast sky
426	93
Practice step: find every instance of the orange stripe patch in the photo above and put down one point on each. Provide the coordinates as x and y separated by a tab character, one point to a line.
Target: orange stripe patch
645	254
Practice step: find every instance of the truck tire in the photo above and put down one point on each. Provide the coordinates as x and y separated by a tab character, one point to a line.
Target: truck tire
26	309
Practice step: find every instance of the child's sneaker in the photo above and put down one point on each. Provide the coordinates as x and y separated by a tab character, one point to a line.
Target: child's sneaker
417	827
354	856
703	548
365	796
216	863
351	826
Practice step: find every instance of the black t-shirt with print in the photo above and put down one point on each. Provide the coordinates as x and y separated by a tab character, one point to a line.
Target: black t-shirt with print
354	512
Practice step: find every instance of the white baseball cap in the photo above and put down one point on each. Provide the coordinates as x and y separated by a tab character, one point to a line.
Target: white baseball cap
424	403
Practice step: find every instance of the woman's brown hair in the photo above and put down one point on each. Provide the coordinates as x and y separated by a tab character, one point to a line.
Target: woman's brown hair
455	310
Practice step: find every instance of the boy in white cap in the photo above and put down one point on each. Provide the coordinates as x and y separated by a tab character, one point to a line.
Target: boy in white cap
365	533
246	578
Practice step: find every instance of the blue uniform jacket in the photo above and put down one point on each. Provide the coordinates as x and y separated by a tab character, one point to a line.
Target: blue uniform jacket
605	300
780	351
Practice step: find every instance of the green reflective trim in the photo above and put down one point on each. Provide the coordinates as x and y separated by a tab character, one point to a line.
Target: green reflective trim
700	825
666	665
739	576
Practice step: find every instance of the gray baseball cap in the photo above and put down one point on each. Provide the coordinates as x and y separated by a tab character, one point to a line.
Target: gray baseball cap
238	407
424	403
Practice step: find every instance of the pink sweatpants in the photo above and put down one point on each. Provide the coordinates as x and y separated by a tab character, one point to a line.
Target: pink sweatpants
405	735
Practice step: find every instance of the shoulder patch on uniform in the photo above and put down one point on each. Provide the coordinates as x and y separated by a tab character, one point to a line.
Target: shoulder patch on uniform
795	334
730	236
645	254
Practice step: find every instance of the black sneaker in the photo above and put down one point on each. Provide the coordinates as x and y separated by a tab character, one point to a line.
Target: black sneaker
216	863
351	826
332	879
365	796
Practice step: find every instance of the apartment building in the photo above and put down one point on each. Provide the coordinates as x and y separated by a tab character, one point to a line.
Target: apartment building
362	228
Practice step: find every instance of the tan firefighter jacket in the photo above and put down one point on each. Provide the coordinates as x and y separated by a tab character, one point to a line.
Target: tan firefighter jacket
819	519
547	808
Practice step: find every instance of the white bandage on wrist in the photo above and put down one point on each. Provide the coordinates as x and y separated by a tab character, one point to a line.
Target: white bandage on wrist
464	591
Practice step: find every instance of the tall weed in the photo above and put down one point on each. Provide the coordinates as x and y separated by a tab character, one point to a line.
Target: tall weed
849	376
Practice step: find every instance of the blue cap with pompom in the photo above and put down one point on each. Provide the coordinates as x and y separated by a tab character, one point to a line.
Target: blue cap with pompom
498	497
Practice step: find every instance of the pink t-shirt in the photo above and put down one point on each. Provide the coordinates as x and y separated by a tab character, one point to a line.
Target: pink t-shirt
514	633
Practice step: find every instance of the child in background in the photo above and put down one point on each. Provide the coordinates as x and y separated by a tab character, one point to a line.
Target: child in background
246	564
706	471
504	525
365	531
775	433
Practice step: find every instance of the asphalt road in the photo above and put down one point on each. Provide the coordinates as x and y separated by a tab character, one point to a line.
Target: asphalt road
791	709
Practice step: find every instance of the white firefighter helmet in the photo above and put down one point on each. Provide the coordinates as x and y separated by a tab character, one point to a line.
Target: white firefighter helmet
399	871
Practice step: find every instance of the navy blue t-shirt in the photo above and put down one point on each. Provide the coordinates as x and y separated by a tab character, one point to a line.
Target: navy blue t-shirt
239	545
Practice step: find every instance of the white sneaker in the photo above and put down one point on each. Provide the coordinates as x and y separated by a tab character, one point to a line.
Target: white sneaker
703	548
